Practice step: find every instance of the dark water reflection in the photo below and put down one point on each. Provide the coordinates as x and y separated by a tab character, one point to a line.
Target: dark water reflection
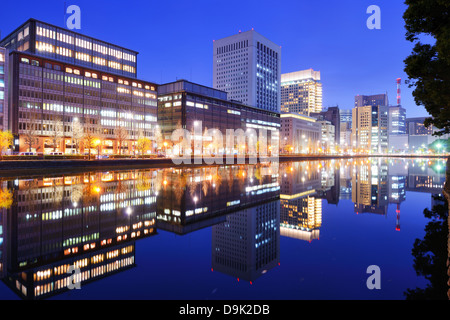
301	230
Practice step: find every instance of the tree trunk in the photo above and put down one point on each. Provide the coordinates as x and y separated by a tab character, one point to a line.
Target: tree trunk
446	193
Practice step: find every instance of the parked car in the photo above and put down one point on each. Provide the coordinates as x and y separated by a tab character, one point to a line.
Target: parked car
27	153
56	154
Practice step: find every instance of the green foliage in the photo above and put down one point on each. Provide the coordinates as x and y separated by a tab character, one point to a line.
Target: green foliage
428	66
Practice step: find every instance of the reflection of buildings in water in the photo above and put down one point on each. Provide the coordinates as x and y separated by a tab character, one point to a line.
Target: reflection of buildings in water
300	218
91	220
247	244
428	177
345	180
370	187
194	198
301	209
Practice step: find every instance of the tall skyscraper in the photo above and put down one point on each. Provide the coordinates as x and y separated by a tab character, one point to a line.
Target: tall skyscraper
301	92
248	67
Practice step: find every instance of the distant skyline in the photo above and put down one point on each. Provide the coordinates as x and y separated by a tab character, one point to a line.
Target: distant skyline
175	38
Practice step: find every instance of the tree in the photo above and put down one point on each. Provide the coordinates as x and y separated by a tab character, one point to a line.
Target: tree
91	134
143	144
57	132
77	133
158	136
431	254
121	134
6	141
428	66
6	198
31	132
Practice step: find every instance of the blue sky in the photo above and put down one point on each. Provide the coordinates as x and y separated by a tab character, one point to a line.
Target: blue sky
174	38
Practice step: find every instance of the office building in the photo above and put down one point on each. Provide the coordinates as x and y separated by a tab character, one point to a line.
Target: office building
332	115
345	131
64	86
301	92
372	100
3	89
346	116
186	105
299	134
51	42
397	120
416	127
370	129
52	99
327	139
248	66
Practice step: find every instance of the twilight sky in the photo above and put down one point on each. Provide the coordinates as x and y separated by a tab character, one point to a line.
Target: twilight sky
174	38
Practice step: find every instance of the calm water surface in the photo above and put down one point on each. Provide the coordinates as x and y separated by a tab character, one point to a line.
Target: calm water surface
301	230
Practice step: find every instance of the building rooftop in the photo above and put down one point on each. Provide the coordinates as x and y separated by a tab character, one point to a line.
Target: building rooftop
66	30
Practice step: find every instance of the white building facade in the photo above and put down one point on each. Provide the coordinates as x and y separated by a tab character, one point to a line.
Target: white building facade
248	67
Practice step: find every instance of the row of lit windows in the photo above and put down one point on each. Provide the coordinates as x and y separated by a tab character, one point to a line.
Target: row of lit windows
46	47
85	44
94	75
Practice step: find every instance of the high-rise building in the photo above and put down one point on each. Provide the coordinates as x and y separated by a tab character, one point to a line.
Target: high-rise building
370	129
372	100
397	120
48	41
301	92
3	89
248	66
